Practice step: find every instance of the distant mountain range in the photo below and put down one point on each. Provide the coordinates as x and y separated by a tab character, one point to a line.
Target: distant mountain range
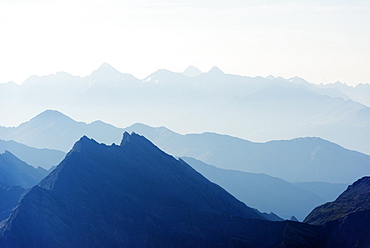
135	195
258	109
297	160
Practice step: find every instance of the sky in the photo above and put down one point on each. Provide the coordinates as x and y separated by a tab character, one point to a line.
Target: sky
320	41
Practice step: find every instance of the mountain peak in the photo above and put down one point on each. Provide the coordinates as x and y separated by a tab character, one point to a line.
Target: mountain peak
51	114
191	71
216	71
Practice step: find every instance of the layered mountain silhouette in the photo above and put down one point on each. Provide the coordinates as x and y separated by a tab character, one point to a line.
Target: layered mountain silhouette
15	172
347	218
301	159
45	158
54	130
135	195
258	109
261	191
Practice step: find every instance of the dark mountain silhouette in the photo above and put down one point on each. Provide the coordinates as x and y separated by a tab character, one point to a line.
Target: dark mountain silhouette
9	198
266	193
15	172
347	218
135	195
46	158
300	159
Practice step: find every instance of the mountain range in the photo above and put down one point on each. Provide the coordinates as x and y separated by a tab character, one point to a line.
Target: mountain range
297	160
135	195
258	109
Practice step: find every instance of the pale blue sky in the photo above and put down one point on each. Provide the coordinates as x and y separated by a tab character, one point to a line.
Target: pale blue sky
321	41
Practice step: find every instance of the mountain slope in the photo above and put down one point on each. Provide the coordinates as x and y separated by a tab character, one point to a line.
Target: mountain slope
346	219
9	198
263	192
355	199
134	195
14	172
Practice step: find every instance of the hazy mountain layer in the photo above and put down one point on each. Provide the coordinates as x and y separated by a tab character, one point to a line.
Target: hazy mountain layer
258	109
263	192
301	159
45	158
15	172
135	195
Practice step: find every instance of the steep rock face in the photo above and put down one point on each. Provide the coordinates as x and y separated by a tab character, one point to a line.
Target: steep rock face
347	219
135	195
15	172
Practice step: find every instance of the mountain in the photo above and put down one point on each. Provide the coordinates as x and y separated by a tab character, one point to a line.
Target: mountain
9	198
15	172
261	191
347	218
46	158
191	71
300	159
54	130
135	195
355	199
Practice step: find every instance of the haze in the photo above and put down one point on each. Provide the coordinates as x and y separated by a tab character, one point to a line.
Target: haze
320	41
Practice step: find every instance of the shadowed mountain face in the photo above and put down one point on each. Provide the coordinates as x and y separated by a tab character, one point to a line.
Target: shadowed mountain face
347	218
14	172
135	195
266	193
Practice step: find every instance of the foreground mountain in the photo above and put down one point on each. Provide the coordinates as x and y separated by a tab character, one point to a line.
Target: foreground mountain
266	193
46	158
347	218
135	195
15	172
301	159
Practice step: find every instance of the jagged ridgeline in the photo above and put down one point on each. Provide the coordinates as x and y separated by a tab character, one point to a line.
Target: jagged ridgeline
135	195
